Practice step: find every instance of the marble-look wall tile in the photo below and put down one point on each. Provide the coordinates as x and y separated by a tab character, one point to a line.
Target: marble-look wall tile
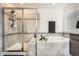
9	41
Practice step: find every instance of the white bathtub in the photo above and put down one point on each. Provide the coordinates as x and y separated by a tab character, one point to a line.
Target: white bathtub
55	46
57	39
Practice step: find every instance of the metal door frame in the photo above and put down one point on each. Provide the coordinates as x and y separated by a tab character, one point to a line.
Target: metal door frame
3	35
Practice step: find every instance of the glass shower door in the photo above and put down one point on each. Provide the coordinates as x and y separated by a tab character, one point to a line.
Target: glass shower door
30	29
10	33
21	37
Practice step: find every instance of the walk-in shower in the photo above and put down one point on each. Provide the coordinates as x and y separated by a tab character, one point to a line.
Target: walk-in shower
16	38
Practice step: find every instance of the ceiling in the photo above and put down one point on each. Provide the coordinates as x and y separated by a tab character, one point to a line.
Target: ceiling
39	5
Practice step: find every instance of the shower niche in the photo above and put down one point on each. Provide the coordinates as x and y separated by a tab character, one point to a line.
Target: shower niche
20	26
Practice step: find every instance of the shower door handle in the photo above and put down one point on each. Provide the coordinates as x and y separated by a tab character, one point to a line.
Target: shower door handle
34	35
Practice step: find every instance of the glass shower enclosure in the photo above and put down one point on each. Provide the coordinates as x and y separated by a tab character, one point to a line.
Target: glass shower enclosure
19	27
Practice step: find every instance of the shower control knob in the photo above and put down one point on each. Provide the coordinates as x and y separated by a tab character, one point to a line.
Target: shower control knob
34	35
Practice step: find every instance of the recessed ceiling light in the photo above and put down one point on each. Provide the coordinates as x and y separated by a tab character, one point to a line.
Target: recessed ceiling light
21	3
53	4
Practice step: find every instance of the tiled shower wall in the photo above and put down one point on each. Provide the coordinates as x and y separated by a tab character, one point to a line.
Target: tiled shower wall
17	38
10	39
28	26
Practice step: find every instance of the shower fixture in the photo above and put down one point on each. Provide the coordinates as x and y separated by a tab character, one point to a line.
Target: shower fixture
13	14
13	23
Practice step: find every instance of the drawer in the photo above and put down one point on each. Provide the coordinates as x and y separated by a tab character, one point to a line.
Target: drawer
74	36
75	44
74	48
75	52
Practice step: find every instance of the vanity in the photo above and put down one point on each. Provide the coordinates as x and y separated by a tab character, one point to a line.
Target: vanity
74	44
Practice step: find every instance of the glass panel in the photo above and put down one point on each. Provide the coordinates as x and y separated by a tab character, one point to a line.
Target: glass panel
25	39
8	21
21	37
7	25
10	41
18	12
19	20
29	26
29	14
19	26
31	45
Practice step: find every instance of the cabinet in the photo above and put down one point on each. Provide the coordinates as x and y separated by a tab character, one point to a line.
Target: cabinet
74	44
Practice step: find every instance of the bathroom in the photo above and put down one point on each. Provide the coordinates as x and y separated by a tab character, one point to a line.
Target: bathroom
55	23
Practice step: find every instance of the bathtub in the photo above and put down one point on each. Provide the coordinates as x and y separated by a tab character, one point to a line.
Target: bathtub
54	46
58	39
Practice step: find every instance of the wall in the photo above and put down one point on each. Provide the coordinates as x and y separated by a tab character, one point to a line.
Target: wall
0	31
70	19
50	15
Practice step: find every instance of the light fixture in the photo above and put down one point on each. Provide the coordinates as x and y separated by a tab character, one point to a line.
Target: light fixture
21	3
53	4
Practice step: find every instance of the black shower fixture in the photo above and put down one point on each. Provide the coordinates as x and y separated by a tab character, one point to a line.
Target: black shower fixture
13	24
77	25
12	11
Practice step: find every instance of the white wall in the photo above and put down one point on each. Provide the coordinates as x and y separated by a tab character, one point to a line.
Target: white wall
50	15
0	31
70	19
